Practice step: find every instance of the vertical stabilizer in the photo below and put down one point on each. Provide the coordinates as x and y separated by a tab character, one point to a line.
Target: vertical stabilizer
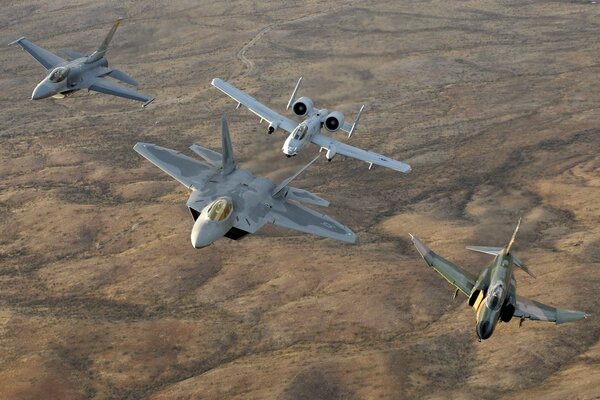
227	149
514	236
101	51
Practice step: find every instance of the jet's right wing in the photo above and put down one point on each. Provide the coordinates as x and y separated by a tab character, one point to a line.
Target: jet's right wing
344	149
294	216
103	85
44	57
531	309
463	280
188	171
264	112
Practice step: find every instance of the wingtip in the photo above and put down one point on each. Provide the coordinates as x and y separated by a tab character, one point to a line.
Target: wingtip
148	102
16	41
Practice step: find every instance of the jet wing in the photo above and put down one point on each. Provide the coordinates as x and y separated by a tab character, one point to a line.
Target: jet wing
188	171
294	216
108	87
350	151
44	57
463	280
256	107
533	310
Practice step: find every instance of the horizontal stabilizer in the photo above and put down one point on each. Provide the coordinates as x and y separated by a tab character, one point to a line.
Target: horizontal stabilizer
494	251
123	77
304	196
212	157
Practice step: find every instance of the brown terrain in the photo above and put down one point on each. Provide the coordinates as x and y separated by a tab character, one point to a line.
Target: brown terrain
494	104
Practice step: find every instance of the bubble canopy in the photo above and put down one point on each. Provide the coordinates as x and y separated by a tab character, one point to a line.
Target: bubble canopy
219	210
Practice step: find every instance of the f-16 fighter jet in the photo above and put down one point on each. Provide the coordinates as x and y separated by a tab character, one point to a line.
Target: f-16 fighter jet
493	294
232	202
65	77
309	130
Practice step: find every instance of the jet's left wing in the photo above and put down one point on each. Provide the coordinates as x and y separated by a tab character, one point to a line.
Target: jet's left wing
533	310
463	280
190	172
294	216
264	112
43	56
336	147
108	87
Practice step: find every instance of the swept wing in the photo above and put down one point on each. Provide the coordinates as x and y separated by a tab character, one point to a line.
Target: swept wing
534	310
294	216
108	87
186	170
463	280
47	59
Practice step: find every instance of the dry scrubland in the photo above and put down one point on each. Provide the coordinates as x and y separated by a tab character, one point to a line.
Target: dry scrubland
495	104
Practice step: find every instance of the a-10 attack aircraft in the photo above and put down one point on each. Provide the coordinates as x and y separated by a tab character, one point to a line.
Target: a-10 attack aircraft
65	77
309	130
494	294
232	202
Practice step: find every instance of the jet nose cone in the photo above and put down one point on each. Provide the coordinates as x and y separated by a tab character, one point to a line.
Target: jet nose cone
483	330
203	234
41	91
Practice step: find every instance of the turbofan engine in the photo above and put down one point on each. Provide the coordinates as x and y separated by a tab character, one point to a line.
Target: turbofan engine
334	121
302	106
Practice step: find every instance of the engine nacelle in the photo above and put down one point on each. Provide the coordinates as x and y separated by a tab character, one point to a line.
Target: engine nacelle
334	121
272	127
303	106
330	153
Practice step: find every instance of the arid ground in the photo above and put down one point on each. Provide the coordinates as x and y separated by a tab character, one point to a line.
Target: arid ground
495	104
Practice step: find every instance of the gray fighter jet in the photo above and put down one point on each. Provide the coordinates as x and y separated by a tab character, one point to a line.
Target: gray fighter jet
65	77
494	294
232	202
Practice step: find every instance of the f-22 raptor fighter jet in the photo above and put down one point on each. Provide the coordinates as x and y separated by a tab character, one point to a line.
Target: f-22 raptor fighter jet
65	77
232	202
309	130
493	294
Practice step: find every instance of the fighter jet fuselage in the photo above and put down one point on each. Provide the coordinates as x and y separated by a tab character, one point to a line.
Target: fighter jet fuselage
64	79
494	295
218	217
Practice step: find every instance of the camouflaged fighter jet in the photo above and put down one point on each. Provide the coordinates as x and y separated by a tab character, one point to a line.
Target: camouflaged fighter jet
309	130
494	294
232	202
65	77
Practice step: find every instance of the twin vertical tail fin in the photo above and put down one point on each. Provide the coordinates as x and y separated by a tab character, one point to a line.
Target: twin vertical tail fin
101	51
356	122
228	163
289	104
287	181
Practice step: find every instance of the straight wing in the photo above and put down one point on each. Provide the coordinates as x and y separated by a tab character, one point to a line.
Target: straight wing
325	142
108	87
533	310
186	170
44	57
294	216
253	105
463	280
